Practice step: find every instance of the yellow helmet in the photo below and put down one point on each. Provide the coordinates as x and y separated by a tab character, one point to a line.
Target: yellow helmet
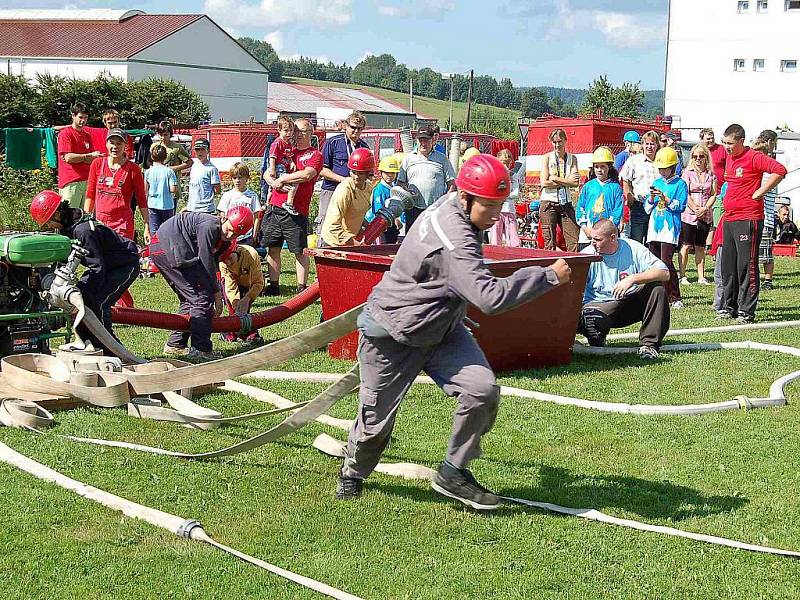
390	164
665	158
602	155
470	152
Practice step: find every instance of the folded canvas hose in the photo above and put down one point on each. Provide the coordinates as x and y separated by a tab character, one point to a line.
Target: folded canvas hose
633	335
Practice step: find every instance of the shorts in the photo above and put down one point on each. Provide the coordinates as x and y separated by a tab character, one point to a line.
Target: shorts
765	248
74	193
695	234
279	226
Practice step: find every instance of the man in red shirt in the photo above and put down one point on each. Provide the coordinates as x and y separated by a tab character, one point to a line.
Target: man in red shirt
718	155
75	155
743	221
278	224
98	134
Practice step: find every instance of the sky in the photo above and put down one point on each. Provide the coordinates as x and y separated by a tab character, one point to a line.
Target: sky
562	43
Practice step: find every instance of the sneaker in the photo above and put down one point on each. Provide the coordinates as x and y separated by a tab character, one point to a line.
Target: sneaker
767	284
744	319
228	337
648	353
703	281
349	488
724	314
300	288
174	350
677	304
200	355
273	288
685	281
461	485
254	339
289	208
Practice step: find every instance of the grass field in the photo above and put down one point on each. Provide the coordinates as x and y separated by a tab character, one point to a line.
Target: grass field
733	474
430	107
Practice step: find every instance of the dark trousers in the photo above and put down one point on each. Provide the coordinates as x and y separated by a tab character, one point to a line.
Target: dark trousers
649	305
666	252
388	368
194	290
100	299
411	216
740	276
390	235
637	227
552	214
156	216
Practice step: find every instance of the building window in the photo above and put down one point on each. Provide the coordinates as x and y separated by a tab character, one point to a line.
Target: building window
792	5
758	64
762	6
788	66
743	6
738	64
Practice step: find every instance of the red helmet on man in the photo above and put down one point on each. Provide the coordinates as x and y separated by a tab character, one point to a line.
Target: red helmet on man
241	219
44	205
486	177
361	160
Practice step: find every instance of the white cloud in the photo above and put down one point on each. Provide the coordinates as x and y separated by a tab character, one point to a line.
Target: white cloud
622	30
321	58
275	39
392	11
275	13
420	8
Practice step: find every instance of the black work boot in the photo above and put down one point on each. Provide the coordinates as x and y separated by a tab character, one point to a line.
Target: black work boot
461	485
349	488
272	289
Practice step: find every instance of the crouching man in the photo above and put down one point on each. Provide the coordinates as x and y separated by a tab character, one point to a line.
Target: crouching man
413	322
625	288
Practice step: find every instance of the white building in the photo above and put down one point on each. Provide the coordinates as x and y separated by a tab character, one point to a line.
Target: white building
135	46
733	61
736	61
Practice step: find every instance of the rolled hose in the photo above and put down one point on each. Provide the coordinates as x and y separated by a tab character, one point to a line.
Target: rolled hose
244	324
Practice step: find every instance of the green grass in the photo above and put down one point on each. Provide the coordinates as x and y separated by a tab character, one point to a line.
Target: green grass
733	474
430	107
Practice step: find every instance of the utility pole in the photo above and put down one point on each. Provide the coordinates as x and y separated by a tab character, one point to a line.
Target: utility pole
450	121
410	95
469	97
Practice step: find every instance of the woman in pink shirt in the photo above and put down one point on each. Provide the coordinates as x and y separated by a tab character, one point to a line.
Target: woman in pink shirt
697	218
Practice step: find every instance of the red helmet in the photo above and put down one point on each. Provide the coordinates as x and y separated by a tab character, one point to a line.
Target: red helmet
361	160
44	205
241	219
486	177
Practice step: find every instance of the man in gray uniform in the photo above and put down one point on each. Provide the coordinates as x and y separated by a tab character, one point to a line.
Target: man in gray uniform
413	321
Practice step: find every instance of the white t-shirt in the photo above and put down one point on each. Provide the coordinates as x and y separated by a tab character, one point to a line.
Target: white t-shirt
202	179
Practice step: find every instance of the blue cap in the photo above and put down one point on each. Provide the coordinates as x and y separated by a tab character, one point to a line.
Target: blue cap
632	136
534	206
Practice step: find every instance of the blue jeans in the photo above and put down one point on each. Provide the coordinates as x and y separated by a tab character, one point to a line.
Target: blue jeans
157	217
637	228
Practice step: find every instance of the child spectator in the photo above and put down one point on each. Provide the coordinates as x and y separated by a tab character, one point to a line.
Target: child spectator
504	232
786	231
281	159
600	198
240	269
204	182
667	200
716	251
350	202
161	186
767	142
389	167
241	195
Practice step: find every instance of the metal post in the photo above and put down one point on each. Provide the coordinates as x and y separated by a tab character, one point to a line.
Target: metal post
469	98
450	120
411	95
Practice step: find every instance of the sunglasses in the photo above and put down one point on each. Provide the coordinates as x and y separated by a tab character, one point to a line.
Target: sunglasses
355	127
698	156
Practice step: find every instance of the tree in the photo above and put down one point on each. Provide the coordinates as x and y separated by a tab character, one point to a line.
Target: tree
154	100
266	55
373	69
17	104
505	94
625	101
534	103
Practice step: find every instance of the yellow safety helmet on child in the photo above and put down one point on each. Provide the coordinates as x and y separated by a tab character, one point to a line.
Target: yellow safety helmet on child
602	155
390	164
665	158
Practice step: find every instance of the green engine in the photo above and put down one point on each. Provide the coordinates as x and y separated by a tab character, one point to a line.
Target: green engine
26	321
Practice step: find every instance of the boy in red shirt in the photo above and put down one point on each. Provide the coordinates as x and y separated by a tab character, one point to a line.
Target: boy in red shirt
743	221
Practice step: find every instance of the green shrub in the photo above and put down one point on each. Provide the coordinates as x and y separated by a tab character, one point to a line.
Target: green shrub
16	190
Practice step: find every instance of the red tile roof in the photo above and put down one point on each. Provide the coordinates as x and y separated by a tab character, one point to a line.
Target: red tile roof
88	39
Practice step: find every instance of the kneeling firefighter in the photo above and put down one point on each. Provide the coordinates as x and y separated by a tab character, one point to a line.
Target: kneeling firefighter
187	250
111	261
413	322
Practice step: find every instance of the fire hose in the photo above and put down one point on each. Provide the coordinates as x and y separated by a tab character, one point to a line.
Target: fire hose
399	201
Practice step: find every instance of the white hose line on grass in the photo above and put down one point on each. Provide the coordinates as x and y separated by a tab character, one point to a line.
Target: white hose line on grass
721	329
777	396
185	528
333	447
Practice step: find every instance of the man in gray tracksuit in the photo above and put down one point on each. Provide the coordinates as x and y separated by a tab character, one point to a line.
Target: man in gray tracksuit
413	322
